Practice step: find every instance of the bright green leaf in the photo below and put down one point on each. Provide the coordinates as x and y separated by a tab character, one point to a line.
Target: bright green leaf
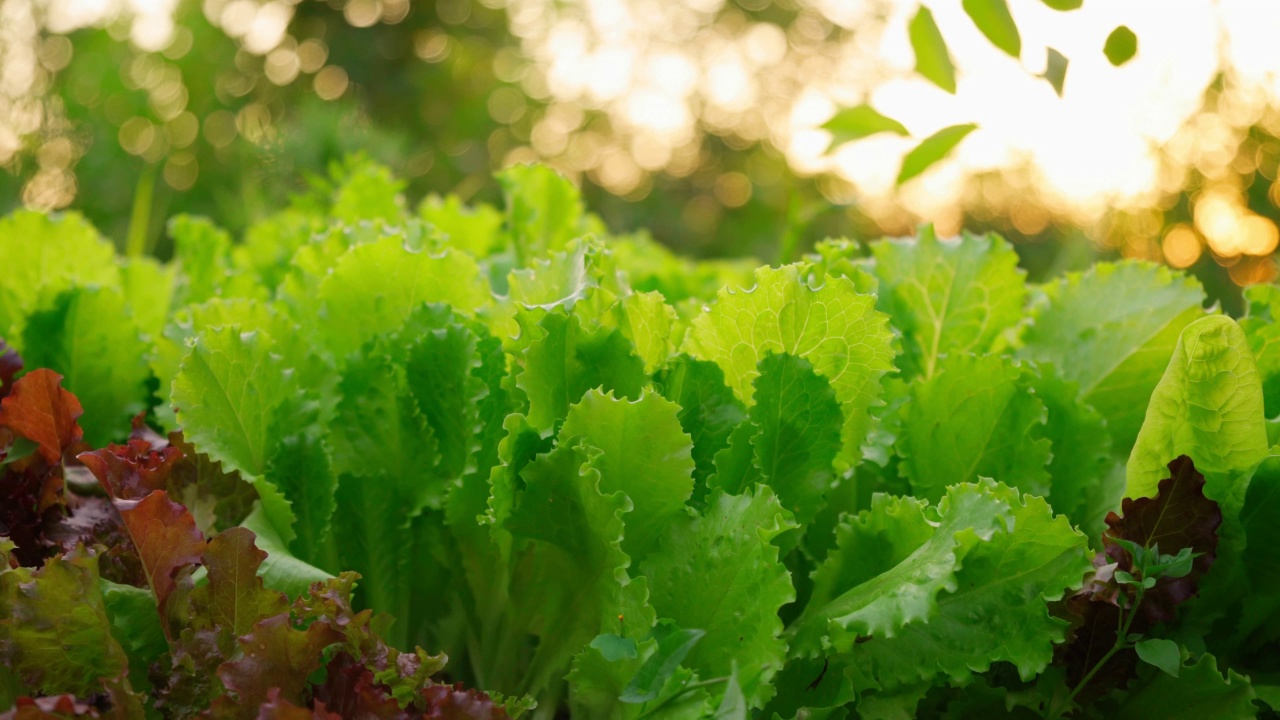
933	61
88	337
993	19
932	149
645	454
833	327
733	592
1121	46
1111	330
948	297
1055	71
1209	406
975	418
858	122
226	395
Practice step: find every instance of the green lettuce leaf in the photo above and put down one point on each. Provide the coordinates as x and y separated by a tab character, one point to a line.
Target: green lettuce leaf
42	257
226	395
374	287
948	297
89	337
733	592
833	327
1111	330
974	418
709	411
1199	691
54	631
1208	406
645	454
795	438
578	586
975	593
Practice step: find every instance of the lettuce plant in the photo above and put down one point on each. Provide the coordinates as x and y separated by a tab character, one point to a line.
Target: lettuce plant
608	481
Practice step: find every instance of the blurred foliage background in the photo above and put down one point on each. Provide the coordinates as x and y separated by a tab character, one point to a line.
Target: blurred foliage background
697	119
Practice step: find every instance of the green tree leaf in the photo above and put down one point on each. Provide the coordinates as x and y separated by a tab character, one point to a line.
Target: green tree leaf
1121	46
833	327
1111	330
931	150
933	60
733	592
993	19
88	336
855	123
1055	70
1063	5
645	454
948	297
974	419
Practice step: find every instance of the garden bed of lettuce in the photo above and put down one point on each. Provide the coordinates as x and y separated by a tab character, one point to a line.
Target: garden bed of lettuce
459	461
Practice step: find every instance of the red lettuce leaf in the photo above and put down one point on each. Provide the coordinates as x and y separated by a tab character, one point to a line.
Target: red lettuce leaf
275	655
39	409
168	543
277	708
132	471
453	702
1179	516
235	598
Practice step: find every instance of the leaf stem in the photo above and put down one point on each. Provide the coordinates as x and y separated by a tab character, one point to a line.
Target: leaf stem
1122	643
687	688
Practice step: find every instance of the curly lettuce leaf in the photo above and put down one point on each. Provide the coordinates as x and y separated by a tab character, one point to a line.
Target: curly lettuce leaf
1112	330
562	360
54	631
578	585
89	337
733	592
44	255
832	326
795	438
948	297
226	395
974	418
645	454
974	593
374	287
709	411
